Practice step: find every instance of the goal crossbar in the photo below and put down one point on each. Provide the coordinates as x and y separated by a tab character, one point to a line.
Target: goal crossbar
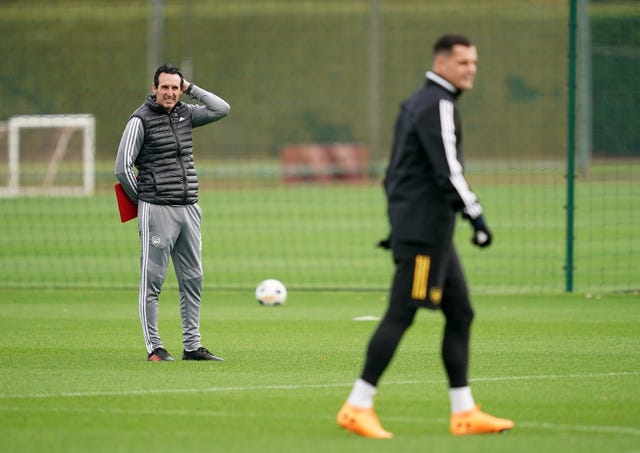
68	124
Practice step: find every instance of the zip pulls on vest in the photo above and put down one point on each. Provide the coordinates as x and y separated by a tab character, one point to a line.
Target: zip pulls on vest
185	186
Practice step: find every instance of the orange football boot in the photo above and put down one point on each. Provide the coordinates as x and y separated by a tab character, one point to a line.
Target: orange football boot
362	421
475	421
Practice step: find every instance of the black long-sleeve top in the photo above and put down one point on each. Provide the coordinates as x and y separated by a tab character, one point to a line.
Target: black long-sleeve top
424	182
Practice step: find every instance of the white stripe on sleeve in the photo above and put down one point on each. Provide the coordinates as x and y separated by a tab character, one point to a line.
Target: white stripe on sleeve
131	142
448	129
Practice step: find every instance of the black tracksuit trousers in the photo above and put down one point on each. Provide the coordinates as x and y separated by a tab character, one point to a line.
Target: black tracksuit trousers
436	278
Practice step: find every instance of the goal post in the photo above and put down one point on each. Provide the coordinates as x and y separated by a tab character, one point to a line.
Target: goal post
53	156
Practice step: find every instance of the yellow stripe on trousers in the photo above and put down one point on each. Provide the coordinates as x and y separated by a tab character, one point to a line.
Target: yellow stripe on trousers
420	277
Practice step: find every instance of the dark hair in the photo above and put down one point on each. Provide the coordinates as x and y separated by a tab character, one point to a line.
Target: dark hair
446	42
167	69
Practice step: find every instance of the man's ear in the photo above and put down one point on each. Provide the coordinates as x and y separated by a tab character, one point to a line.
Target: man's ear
437	61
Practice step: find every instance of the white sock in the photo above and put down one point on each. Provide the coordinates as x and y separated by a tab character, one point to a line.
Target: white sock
461	399
362	394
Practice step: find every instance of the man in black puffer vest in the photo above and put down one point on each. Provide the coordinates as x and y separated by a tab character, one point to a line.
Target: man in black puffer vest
158	142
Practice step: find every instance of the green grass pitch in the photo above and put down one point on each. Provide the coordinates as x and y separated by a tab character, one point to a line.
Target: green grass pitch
73	375
312	236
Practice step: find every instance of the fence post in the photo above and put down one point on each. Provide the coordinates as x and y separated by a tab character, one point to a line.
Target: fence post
571	132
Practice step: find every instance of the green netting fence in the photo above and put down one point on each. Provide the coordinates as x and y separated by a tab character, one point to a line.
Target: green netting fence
552	138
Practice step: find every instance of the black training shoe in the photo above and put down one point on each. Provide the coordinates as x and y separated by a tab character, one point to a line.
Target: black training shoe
201	353
159	355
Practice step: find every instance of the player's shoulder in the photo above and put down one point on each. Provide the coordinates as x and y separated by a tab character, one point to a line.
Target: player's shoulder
183	106
185	109
424	99
437	92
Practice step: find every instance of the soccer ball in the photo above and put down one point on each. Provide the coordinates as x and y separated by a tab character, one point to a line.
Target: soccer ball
271	292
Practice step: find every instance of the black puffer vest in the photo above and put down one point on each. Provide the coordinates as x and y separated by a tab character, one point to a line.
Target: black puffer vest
166	172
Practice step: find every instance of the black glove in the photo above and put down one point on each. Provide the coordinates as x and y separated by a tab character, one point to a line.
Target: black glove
385	243
481	234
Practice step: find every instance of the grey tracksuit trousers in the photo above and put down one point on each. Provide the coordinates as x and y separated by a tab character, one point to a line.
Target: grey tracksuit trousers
170	231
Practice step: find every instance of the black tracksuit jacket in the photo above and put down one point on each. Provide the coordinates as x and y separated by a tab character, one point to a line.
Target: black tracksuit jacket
424	181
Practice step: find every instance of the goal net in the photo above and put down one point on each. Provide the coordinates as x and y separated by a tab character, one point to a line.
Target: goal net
49	155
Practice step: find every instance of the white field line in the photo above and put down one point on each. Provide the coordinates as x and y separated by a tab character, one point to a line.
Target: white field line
623	430
309	386
582	428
